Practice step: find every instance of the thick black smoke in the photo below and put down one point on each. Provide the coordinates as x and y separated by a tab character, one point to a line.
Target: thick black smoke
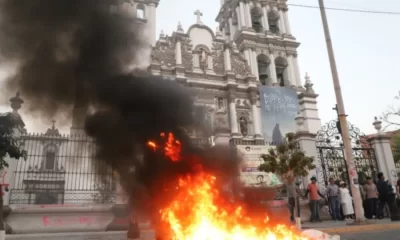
80	52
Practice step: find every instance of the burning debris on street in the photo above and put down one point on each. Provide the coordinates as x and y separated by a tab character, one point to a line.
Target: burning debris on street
77	54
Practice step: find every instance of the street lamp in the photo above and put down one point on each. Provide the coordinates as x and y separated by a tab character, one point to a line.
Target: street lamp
348	151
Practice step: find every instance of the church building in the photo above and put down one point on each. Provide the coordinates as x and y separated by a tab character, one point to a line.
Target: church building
252	46
226	70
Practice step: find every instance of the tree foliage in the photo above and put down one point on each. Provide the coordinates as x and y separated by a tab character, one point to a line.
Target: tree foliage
9	145
392	115
287	161
396	148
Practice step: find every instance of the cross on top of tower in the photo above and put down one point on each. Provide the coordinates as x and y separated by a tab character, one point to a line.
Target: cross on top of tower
199	14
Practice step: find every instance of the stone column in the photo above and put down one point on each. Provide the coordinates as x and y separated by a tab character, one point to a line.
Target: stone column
297	70
209	63
309	109
248	15
307	144
255	64
265	18
281	22
247	56
239	18
291	71
272	69
196	63
232	29
242	15
233	114
152	22
227	59
256	115
383	153
7	175
287	24
178	53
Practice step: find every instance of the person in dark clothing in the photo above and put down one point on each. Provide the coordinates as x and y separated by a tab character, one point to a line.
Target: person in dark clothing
382	187
371	197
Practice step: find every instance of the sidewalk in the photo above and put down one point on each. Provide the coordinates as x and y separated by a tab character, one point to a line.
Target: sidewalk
339	227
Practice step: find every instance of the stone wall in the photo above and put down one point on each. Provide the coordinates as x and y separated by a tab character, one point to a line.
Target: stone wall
36	219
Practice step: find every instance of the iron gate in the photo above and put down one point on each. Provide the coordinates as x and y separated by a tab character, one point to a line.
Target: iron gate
331	162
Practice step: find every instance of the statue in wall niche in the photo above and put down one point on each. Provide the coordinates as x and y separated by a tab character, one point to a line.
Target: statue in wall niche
243	126
203	59
220	105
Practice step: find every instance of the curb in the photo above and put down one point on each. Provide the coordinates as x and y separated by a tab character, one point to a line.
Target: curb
361	228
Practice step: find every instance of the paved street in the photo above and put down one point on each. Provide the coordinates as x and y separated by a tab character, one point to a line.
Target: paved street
382	235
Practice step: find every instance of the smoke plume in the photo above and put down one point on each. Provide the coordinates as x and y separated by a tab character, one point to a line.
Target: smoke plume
80	52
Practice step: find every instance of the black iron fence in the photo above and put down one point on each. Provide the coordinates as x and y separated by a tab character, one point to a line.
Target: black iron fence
62	169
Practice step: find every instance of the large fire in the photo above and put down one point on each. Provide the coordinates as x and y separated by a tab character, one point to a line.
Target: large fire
199	212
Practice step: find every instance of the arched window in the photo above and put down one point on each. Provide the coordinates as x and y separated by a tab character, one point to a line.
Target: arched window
256	14
273	18
263	63
140	11
281	71
50	155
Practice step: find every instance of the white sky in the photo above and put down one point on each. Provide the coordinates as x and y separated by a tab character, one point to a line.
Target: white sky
366	48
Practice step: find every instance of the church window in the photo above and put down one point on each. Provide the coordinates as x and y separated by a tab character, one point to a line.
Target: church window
50	160
263	64
281	71
256	14
140	11
273	18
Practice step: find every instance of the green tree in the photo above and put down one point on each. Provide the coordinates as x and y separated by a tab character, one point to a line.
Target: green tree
287	161
9	146
396	148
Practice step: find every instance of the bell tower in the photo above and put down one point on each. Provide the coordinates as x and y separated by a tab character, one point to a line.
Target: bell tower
145	11
261	30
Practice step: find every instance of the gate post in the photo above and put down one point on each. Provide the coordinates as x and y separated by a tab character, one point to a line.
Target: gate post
307	144
383	151
7	175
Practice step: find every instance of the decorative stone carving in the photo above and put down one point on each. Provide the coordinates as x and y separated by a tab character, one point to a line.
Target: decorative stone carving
239	65
187	56
271	47
164	53
242	103
217	46
218	58
238	103
218	62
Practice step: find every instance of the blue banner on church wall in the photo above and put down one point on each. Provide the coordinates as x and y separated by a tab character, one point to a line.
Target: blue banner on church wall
279	107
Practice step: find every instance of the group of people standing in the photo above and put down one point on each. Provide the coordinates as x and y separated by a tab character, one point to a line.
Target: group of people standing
340	201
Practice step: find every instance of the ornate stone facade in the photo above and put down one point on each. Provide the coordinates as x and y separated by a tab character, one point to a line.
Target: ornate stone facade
252	46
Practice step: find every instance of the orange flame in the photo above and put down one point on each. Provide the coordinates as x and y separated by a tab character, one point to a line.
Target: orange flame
196	213
172	147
